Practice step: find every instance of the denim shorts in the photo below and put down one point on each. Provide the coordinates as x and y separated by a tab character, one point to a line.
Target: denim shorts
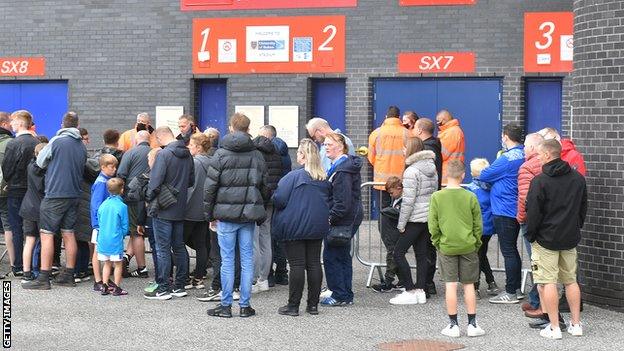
4	214
58	215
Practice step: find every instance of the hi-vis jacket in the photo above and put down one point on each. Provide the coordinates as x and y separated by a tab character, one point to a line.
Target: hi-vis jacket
385	150
452	138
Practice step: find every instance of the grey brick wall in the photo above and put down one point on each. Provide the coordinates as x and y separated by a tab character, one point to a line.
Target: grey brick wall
123	57
598	109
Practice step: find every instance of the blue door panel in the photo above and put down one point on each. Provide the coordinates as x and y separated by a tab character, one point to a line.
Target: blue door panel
46	100
328	101
543	104
419	96
475	103
213	105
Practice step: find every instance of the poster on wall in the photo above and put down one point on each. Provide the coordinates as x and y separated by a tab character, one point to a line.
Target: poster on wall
214	5
168	116
285	119
435	2
255	114
548	41
305	44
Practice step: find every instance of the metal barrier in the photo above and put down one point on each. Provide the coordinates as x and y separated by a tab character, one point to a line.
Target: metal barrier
370	251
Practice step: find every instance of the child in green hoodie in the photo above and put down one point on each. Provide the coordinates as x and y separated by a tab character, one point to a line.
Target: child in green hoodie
455	225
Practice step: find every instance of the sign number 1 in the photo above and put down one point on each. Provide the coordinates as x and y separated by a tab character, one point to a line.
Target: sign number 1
547	33
203	54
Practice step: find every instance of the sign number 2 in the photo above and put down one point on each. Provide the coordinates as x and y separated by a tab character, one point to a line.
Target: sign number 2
548	29
324	47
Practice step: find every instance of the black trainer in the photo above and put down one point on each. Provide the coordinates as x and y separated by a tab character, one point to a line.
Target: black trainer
140	273
383	287
221	311
41	283
542	322
247	312
65	279
430	289
312	309
288	311
281	279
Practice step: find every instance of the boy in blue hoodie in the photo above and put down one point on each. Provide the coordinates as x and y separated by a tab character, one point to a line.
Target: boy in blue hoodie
99	193
482	190
113	227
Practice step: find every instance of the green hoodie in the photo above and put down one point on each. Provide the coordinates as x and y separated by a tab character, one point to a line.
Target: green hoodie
455	221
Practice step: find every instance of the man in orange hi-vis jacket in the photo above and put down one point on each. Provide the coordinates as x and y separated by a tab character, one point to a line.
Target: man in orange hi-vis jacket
128	138
452	138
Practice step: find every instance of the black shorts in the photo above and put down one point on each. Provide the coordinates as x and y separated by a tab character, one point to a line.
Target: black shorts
31	228
4	214
133	218
58	215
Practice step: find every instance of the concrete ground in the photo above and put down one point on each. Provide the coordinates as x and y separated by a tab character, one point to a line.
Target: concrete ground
80	319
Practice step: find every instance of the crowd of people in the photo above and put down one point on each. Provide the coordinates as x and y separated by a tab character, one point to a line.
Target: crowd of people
236	201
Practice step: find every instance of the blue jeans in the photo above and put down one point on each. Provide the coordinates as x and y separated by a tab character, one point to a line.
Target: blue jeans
534	299
507	229
169	235
15	221
228	233
82	257
339	271
149	232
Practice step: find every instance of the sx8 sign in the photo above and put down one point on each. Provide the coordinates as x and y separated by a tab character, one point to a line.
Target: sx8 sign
304	44
22	66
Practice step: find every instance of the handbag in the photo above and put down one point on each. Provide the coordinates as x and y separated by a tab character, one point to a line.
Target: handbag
339	235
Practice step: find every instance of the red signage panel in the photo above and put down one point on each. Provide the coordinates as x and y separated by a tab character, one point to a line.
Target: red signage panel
548	41
436	62
436	2
22	66
252	45
207	5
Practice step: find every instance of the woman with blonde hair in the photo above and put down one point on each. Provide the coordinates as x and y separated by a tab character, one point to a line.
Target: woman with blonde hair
301	203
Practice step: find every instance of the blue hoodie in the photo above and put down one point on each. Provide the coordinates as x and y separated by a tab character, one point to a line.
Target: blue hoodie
113	214
503	175
99	193
282	149
483	196
346	206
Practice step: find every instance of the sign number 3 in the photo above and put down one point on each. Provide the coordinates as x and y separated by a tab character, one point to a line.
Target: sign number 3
547	34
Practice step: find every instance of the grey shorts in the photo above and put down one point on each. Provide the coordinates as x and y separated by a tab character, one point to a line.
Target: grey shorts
459	268
31	228
4	214
58	215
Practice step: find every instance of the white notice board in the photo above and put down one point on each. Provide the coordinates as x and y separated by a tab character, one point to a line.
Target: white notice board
168	116
256	116
285	119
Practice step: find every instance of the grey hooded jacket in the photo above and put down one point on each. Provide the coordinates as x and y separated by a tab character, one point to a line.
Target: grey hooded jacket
420	181
64	158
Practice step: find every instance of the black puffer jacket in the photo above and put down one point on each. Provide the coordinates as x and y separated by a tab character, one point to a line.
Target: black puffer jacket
35	192
434	145
346	194
273	161
236	183
17	156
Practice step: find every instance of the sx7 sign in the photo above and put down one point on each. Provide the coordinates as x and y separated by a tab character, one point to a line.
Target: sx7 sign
269	45
436	62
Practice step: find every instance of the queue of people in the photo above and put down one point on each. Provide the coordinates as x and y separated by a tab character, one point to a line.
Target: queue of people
237	203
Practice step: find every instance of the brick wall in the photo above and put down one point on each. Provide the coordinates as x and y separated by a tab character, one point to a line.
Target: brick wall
598	109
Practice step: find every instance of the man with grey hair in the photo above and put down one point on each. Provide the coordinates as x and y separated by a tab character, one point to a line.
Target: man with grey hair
127	140
318	128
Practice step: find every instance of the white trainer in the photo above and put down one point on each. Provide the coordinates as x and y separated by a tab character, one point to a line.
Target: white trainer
260	286
325	293
549	333
474	330
575	329
451	330
421	296
405	298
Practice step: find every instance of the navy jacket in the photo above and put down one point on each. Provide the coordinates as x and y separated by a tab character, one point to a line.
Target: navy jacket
17	156
272	159
435	145
134	163
34	194
64	159
282	148
347	207
173	166
301	208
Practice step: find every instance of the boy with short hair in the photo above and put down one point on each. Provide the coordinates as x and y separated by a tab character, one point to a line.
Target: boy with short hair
113	227
456	227
99	193
390	233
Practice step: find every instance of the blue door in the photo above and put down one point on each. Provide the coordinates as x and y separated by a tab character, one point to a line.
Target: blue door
46	100
543	104
328	101
476	103
213	105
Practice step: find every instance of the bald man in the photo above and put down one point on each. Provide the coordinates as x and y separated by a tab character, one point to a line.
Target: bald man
452	138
